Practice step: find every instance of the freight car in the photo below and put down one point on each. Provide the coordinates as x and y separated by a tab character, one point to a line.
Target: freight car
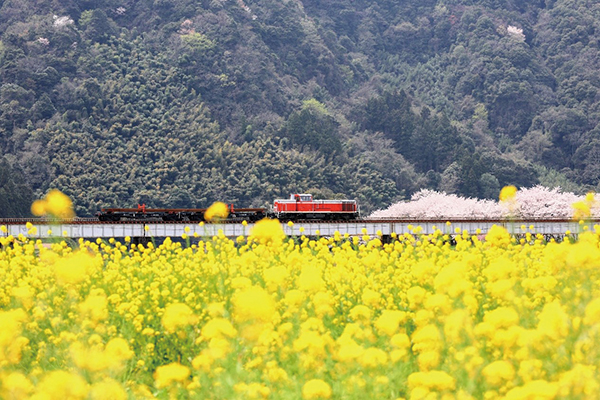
297	207
142	213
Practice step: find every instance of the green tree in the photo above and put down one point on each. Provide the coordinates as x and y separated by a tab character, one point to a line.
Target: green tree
313	128
15	196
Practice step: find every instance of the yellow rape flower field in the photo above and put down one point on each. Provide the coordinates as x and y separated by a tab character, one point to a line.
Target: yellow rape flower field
267	317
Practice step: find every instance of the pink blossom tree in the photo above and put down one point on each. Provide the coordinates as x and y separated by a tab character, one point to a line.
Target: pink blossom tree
536	202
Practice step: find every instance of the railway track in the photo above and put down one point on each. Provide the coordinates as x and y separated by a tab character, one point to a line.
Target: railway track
92	220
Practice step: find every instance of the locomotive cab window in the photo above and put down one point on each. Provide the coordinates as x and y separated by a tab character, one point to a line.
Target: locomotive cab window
306	197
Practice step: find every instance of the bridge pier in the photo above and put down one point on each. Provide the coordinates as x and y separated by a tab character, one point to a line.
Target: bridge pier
143	240
386	239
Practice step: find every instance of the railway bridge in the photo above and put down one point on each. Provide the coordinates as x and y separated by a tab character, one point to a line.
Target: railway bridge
93	228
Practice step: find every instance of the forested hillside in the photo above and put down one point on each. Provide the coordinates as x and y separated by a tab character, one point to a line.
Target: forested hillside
182	102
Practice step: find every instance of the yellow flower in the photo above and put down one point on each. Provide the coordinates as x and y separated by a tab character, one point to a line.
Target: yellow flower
371	298
580	382
436	380
554	321
24	294
253	303
361	313
498	372
59	204
275	276
581	210
323	303
95	306
294	298
427	338
311	279
15	386
416	296
274	373
38	208
389	320
56	203
11	322
253	390
240	282
92	358
73	268
498	236
108	389
502	317
458	326
499	268
216	212
451	279
429	360
373	357
313	343
167	374
538	389
531	369
508	193
316	389
177	315
349	350
60	385
267	231
592	312
217	328
117	350
203	361
400	340
590	197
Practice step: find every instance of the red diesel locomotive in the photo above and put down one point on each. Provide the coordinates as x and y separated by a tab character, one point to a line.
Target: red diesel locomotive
297	207
302	206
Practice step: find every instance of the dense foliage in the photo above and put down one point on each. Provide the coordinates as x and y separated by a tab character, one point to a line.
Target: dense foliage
180	102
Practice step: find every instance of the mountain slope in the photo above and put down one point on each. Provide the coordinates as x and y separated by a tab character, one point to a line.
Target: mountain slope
181	103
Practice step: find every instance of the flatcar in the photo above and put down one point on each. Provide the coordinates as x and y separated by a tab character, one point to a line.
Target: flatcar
297	207
142	213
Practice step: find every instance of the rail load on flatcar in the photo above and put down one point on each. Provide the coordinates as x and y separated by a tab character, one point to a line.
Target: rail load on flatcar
304	207
142	213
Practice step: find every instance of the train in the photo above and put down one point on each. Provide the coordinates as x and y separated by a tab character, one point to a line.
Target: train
297	207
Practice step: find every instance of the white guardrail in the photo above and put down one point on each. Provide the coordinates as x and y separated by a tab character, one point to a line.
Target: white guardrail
353	228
